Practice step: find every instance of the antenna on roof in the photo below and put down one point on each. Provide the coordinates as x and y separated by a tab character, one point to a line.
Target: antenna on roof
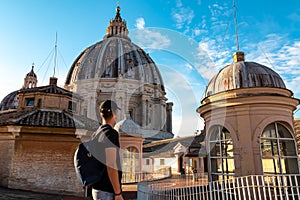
55	54
239	55
236	27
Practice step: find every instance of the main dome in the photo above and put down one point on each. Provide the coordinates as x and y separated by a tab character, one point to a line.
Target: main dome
113	57
241	74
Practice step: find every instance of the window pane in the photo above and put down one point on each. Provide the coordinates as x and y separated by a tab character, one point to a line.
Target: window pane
279	153
228	177
213	164
269	132
283	132
266	147
30	102
228	165
214	149
72	106
230	150
215	177
215	134
290	165
216	165
287	148
227	148
271	165
269	147
221	153
226	134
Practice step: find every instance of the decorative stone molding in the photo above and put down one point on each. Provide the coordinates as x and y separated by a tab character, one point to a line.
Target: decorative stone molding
15	130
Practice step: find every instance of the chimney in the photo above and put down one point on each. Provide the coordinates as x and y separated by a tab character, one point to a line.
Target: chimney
238	56
53	81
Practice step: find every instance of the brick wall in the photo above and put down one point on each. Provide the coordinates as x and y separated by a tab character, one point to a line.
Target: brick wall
6	152
44	163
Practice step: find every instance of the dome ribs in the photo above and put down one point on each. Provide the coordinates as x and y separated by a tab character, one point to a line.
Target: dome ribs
244	75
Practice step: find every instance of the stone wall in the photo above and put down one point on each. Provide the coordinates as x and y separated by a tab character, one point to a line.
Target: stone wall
40	162
6	154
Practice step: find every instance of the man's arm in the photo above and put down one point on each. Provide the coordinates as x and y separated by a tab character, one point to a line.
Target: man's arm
112	169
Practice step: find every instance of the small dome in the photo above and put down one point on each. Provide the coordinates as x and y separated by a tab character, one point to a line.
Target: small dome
243	74
128	126
10	101
31	73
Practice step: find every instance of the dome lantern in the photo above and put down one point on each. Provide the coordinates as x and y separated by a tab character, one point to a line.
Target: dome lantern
116	26
238	56
30	79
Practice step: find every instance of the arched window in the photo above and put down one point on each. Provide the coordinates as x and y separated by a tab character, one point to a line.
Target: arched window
278	149
131	164
221	154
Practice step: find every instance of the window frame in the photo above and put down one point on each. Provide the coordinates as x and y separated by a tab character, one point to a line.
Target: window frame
162	162
29	102
72	106
220	140
278	152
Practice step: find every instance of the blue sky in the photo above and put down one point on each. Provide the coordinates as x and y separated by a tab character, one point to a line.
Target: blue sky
189	41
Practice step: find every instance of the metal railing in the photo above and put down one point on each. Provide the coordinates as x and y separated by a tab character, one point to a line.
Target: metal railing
138	177
256	187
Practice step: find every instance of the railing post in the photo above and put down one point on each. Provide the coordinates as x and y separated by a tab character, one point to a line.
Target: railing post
256	187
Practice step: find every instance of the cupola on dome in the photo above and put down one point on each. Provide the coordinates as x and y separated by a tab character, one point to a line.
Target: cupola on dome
31	73
241	74
11	100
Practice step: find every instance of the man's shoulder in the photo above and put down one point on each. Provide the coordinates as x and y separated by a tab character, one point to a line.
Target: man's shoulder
107	128
106	131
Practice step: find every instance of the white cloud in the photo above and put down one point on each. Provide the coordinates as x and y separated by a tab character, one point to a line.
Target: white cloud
197	32
183	16
187	125
277	52
179	88
294	85
200	29
140	23
218	10
218	58
203	22
147	37
151	39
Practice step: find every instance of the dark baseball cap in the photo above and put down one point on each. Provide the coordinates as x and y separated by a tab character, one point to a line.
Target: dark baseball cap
108	106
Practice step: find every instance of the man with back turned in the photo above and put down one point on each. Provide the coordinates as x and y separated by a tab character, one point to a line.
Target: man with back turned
109	187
